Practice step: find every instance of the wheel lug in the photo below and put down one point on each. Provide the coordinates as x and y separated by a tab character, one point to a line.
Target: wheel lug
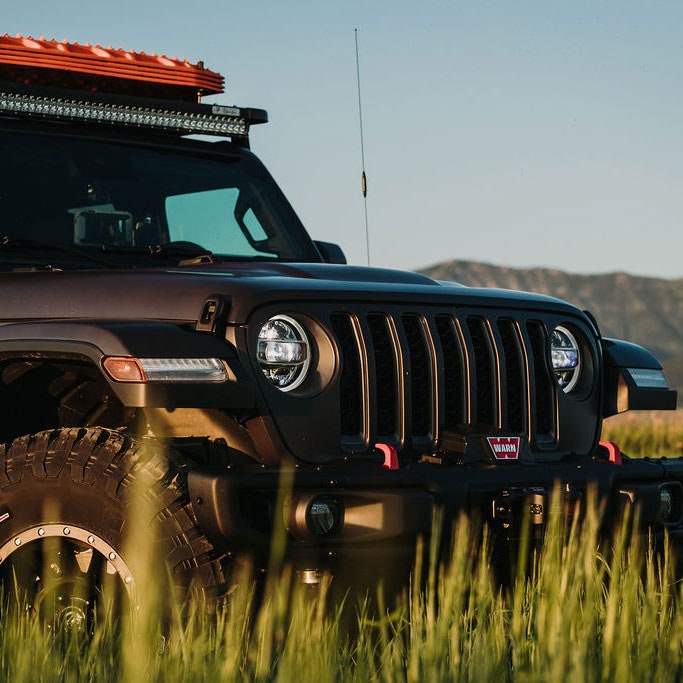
41	532
112	556
91	539
66	531
17	541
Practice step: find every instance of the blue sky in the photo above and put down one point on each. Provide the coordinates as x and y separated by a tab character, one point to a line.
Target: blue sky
524	134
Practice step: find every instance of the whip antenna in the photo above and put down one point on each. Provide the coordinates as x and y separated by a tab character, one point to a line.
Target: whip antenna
364	180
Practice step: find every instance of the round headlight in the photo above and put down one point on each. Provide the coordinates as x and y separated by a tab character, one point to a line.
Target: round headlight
566	358
283	352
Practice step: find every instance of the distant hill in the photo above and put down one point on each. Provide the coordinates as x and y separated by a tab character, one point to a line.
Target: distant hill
647	311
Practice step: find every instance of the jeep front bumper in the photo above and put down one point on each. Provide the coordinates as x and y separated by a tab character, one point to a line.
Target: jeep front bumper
338	516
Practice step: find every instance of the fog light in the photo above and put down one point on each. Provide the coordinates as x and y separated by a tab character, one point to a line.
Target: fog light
324	516
665	505
670	504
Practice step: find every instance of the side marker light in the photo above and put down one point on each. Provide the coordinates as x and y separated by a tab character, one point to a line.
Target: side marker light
125	369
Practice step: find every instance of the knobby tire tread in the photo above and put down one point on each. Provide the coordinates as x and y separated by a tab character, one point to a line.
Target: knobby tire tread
107	461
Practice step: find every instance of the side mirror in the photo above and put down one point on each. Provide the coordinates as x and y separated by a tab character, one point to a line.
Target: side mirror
633	380
331	253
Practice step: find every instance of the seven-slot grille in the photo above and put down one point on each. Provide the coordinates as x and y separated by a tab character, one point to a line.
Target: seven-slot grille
406	377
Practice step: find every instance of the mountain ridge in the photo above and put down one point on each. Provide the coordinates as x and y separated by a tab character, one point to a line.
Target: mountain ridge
645	310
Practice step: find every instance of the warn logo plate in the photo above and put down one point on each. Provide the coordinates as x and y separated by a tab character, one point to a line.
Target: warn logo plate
504	447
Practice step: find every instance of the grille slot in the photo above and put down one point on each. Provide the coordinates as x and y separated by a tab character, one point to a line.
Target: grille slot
515	399
485	375
421	382
543	383
406	377
350	378
386	383
455	385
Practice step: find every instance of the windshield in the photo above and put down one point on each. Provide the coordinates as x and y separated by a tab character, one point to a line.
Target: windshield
93	196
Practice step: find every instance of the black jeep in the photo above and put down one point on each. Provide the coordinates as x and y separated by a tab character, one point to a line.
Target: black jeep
164	310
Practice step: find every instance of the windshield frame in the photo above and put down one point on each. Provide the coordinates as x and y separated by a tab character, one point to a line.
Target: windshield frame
213	151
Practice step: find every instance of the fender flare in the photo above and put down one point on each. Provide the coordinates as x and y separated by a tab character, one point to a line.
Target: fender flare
92	341
623	362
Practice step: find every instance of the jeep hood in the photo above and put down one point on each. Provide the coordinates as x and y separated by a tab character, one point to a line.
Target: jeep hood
178	293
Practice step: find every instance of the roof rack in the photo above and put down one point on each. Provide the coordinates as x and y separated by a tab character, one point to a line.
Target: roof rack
98	69
86	84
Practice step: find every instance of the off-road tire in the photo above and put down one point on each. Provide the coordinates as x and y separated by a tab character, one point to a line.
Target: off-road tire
81	482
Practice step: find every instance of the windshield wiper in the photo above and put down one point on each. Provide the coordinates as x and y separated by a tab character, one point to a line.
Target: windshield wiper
183	253
191	250
189	253
27	244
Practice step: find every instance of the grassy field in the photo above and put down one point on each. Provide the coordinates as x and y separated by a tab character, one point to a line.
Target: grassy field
581	611
640	434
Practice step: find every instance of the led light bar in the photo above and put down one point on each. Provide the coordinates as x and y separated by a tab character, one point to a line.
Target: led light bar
218	120
126	369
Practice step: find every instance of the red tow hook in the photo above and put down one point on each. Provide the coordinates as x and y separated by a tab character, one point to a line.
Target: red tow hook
390	456
613	452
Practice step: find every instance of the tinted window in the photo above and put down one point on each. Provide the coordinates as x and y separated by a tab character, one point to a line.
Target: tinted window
92	193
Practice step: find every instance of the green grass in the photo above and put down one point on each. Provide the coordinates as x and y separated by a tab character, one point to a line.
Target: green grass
582	610
640	434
